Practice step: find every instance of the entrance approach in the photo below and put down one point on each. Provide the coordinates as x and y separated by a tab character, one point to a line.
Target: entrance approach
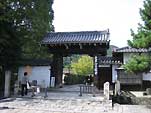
62	44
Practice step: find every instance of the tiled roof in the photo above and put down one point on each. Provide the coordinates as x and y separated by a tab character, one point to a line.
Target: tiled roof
76	37
131	50
109	60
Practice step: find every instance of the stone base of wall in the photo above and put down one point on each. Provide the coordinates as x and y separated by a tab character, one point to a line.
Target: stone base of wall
137	87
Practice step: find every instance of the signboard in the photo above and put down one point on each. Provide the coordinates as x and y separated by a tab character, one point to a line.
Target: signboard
52	83
95	65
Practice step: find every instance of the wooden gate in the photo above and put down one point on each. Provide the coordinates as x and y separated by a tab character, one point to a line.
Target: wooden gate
104	75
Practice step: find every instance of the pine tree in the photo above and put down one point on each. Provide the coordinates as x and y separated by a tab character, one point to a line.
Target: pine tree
141	39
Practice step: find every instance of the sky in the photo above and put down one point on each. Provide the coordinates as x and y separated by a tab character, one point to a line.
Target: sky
119	16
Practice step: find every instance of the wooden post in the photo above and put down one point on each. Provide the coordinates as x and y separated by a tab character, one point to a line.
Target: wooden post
80	90
46	95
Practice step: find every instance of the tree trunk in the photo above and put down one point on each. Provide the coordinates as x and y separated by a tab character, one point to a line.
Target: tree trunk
7	83
2	82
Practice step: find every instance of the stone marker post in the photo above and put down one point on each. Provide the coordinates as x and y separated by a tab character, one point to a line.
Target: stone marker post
117	88
106	91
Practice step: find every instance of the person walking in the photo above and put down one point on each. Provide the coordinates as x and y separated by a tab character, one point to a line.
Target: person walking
24	82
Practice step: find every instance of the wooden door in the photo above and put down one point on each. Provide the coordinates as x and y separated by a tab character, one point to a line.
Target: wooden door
104	75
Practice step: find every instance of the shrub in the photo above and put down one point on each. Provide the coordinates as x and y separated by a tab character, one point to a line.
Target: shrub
74	79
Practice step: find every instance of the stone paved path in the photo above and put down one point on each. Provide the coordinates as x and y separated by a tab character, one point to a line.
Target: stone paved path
54	106
26	105
66	102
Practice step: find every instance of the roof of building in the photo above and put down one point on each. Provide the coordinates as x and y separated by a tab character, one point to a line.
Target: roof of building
109	60
76	37
128	49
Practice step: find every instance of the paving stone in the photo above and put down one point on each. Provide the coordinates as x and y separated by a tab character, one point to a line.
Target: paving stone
67	102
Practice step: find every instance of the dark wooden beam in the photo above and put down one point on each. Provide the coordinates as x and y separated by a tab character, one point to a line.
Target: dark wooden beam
75	49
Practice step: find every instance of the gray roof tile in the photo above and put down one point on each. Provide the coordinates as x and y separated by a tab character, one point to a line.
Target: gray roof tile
76	37
131	50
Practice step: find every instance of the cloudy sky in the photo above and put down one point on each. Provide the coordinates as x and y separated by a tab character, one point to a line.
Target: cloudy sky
90	15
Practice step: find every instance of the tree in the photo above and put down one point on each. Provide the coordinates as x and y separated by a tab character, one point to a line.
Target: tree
10	50
23	24
10	44
41	22
32	20
138	64
84	66
141	39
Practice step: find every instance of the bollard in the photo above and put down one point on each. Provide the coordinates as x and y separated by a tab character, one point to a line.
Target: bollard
80	91
113	96
46	95
33	91
93	91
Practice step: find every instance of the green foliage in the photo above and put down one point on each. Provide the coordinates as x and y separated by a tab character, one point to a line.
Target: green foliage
141	39
10	44
138	64
23	24
74	79
146	14
40	17
67	60
84	66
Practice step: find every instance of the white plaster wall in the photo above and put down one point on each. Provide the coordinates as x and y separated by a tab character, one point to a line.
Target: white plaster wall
38	73
147	76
